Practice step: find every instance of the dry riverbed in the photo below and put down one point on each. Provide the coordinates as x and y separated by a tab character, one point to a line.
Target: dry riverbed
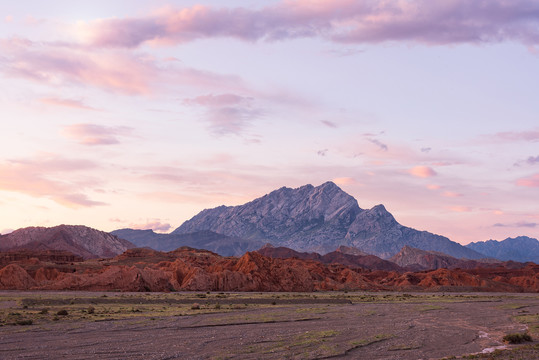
84	325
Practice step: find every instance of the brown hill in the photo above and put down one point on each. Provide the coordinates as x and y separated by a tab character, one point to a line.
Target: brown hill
187	269
79	240
343	255
417	259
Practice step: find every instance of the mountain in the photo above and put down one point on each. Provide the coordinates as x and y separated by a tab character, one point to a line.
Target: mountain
520	249
366	261
416	259
205	239
77	239
319	219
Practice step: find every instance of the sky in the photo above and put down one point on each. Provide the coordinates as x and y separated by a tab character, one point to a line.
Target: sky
140	114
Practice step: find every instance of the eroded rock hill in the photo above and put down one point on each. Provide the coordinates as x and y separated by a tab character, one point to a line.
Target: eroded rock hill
198	270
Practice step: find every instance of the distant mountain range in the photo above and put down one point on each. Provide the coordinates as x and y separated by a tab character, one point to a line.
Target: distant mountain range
205	239
321	223
318	219
521	249
79	240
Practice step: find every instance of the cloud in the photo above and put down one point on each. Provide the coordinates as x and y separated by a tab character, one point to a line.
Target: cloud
91	134
344	52
378	143
117	71
532	181
227	113
344	181
426	149
460	208
59	64
523	224
451	194
322	152
422	171
433	187
330	124
341	21
38	178
70	103
153	225
512	136
532	160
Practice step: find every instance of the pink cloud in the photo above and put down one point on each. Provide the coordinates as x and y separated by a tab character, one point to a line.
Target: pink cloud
344	181
347	21
117	71
460	208
451	194
59	64
532	181
91	134
154	225
227	113
510	136
422	171
70	103
433	187
38	178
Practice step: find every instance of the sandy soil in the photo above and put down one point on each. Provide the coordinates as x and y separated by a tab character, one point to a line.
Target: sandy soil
421	327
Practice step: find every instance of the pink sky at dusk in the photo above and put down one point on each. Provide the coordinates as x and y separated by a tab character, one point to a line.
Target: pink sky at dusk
142	113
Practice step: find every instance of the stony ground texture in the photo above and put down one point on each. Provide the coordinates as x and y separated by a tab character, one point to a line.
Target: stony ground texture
262	326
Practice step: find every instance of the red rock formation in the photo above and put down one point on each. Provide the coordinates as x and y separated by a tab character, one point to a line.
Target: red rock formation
200	270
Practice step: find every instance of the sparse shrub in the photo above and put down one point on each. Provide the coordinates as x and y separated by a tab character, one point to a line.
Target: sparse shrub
24	322
202	296
90	310
44	311
62	312
56	318
517	338
195	306
274	303
25	307
217	306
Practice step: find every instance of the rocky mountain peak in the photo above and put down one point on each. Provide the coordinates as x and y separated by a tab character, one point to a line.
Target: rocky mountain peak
317	215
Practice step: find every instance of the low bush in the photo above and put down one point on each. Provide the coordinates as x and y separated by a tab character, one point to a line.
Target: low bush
517	338
62	312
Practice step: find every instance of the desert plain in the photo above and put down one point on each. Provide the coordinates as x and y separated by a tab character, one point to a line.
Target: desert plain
258	325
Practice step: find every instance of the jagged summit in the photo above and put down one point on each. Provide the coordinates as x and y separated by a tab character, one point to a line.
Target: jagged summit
318	219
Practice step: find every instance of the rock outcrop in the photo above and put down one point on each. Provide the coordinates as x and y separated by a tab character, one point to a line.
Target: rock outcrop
79	240
187	269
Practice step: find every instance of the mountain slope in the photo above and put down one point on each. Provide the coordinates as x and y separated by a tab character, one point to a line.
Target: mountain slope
308	218
207	240
319	219
79	240
520	249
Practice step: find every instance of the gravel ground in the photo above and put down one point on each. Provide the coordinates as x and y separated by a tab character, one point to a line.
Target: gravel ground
422	329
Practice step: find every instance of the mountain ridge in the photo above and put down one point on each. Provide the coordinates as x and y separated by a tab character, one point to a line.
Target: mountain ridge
520	248
319	219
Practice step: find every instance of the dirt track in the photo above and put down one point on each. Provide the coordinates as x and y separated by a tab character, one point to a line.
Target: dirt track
421	328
